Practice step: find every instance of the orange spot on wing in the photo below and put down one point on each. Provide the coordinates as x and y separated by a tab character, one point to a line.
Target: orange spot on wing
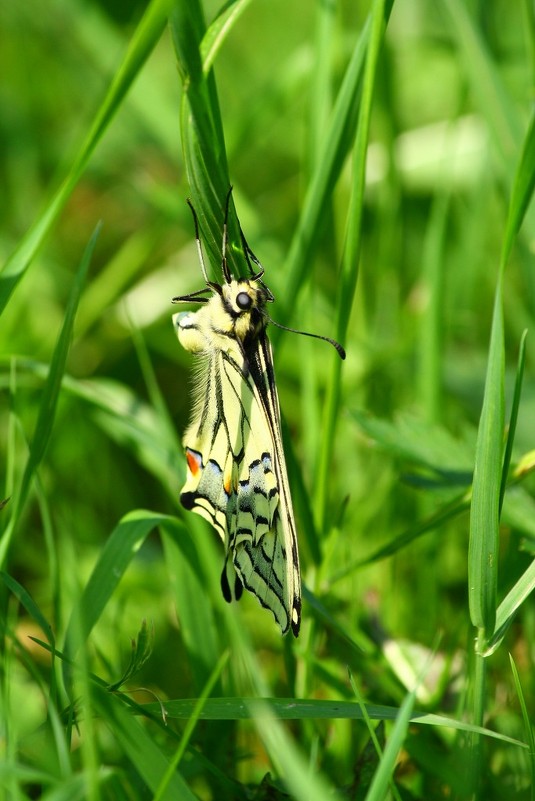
194	462
226	485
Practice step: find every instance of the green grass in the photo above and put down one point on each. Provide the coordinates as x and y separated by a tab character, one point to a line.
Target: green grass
124	673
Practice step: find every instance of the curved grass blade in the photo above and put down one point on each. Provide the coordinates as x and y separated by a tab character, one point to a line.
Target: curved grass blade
26	601
140	747
522	191
145	37
508	608
218	31
120	549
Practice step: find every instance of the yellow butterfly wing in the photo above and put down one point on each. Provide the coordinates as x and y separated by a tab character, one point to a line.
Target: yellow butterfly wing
236	473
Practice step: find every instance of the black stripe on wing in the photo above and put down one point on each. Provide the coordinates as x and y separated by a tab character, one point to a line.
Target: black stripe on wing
261	372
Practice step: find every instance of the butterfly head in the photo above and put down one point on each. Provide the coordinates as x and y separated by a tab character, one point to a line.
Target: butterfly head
244	301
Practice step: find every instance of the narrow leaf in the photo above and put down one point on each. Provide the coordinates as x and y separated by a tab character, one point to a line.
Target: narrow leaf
50	396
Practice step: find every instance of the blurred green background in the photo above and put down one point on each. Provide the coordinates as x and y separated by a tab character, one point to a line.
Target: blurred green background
452	102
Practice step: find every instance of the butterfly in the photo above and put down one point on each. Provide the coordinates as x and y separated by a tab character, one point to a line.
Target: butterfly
236	471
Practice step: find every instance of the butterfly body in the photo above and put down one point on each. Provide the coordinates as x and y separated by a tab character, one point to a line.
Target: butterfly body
236	473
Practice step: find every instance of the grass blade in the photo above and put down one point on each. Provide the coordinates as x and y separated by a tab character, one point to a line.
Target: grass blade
218	31
383	774
145	37
522	191
484	510
117	554
26	600
513	418
140	747
528	724
509	607
190	726
243	708
49	400
203	142
350	267
303	783
489	467
337	141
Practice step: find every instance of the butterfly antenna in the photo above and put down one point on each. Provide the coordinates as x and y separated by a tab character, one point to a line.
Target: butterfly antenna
336	345
198	242
250	257
224	266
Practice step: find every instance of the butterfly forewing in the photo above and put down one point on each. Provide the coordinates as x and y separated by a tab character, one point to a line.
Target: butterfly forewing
236	473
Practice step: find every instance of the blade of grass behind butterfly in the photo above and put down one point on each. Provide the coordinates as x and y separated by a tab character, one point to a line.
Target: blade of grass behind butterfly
145	37
348	278
336	145
49	398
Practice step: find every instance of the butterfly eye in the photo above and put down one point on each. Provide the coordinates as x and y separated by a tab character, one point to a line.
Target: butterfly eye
243	300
